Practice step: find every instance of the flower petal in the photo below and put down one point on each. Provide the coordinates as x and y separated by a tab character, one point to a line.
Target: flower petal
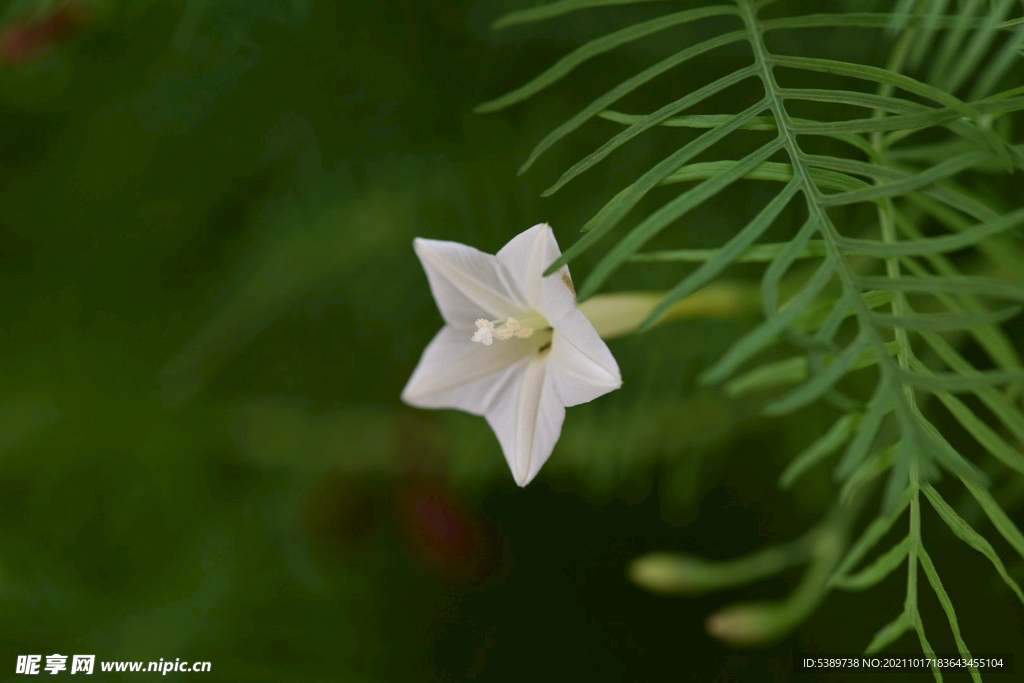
527	417
525	258
466	283
455	372
582	367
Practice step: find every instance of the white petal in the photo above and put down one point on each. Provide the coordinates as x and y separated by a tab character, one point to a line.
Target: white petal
525	258
582	367
527	416
467	284
455	372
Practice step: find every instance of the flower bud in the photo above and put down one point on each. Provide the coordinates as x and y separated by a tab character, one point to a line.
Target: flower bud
749	624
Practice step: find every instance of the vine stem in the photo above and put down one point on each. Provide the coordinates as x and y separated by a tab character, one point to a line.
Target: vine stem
899	308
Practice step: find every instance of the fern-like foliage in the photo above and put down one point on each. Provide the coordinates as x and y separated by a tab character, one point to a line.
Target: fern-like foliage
885	293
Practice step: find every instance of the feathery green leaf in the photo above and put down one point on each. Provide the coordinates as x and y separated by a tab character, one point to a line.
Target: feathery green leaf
826	445
968	535
557	9
873	574
667	214
566	64
947	607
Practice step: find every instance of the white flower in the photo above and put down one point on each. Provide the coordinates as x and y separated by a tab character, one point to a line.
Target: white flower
514	348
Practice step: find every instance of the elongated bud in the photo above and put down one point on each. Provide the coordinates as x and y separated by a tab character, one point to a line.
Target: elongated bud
615	315
670	573
750	624
690	575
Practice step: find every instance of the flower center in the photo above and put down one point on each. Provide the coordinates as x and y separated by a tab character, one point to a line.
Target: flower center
504	329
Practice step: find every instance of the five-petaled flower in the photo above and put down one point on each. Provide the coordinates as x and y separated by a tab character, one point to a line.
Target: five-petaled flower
514	347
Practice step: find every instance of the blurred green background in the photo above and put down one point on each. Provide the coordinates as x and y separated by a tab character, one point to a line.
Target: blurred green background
210	305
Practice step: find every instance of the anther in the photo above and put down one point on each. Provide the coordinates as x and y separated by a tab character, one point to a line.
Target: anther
486	331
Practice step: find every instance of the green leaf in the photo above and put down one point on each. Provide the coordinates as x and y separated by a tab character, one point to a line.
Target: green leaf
816	315
889	633
945	169
895	105
878	528
944	193
929	153
965	65
777	268
858	448
998	248
976	427
998	97
769	330
996	105
900	17
566	64
624	88
996	401
922	45
826	445
1003	524
648	122
873	467
756	253
992	339
768	170
946	321
941	449
557	9
941	61
612	212
914	121
667	214
763	123
824	337
872	101
793	370
1009	55
860	19
820	383
935	245
955	383
871	575
732	249
905	451
789	371
963	284
691	121
878	75
968	535
947	607
926	647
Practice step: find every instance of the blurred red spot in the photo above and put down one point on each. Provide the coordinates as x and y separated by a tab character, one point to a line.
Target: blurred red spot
29	37
443	535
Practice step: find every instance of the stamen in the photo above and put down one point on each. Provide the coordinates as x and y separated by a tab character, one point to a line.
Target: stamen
486	331
483	336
